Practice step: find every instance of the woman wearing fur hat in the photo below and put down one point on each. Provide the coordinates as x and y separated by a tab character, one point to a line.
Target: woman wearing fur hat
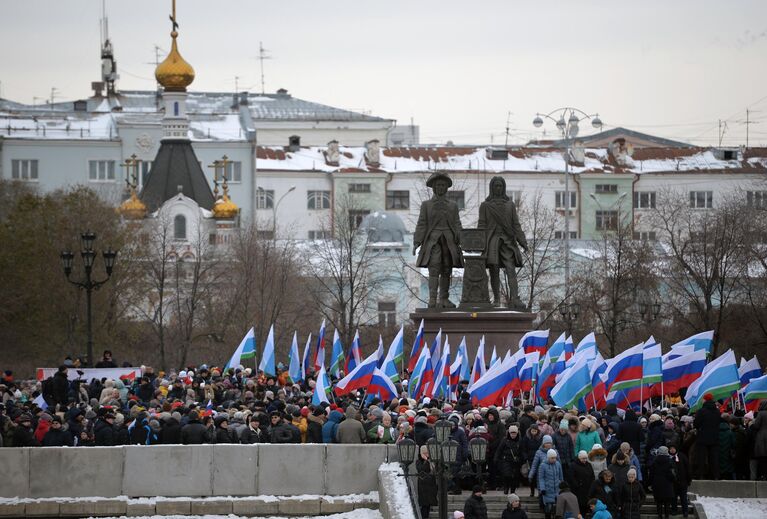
549	477
598	459
587	436
508	459
514	508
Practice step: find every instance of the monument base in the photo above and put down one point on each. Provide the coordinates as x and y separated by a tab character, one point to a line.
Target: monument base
502	328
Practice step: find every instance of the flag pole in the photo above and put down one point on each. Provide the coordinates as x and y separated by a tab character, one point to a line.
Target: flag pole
594	399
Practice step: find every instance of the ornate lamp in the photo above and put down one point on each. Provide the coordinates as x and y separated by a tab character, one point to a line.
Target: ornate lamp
442	430
450	451
478	449
407	451
435	453
67	258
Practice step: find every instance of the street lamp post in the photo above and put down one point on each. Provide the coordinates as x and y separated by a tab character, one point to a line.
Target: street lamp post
274	208
569	313
567	124
88	254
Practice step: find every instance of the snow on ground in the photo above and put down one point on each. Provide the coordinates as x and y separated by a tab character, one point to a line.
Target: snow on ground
362	513
371	496
728	508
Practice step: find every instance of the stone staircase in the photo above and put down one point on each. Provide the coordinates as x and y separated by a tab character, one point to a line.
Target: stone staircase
497	501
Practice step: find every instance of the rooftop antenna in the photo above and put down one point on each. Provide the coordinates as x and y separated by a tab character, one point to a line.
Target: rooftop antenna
722	131
108	63
747	123
236	84
262	55
54	91
508	122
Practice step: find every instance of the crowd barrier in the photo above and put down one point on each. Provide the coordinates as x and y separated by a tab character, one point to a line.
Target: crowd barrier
192	470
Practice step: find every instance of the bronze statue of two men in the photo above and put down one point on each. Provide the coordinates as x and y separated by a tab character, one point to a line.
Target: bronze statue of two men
438	232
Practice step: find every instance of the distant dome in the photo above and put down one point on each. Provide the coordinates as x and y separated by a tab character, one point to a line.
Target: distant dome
384	227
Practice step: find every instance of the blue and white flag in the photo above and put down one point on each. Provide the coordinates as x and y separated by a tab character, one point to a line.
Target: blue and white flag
294	362
246	350
321	388
267	364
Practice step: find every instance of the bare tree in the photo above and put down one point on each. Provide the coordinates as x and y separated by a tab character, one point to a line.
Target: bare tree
608	284
543	260
341	271
707	257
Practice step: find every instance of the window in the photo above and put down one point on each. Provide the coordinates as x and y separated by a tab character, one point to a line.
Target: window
265	199
356	216
606	220
644	235
359	188
143	171
560	235
398	200
701	199
101	170
515	196
387	314
606	188
318	199
233	171
24	169
319	235
175	108
559	200
644	200
756	199
265	235
179	227
458	198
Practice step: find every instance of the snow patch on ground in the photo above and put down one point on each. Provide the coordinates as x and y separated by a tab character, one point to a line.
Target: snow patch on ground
733	508
362	513
370	497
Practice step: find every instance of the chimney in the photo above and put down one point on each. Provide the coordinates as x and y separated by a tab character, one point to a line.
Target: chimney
283	92
235	101
294	143
97	87
332	154
373	152
243	98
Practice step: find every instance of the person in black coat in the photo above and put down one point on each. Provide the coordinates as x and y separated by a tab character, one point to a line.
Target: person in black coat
530	443
475	507
223	433
427	483
421	431
662	482
654	437
195	433
514	509
171	431
60	387
707	443
508	460
254	433
140	433
103	431
631	496
24	433
630	431
603	488
581	478
56	436
315	421
681	467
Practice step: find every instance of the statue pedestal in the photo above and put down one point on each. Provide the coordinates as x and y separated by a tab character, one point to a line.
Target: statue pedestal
502	328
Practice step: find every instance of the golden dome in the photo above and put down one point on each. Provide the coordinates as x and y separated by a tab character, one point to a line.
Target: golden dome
225	208
132	208
174	74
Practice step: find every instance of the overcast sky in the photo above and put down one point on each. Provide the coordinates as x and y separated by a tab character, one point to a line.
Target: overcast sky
672	68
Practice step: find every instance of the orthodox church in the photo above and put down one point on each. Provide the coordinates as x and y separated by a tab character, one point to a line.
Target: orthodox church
177	198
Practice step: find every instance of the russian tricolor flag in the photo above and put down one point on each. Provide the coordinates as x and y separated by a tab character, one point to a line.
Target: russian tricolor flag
360	376
355	356
681	371
537	340
319	355
748	370
381	385
495	384
478	368
529	372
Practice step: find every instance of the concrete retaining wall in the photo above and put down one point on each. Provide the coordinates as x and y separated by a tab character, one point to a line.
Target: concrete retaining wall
186	470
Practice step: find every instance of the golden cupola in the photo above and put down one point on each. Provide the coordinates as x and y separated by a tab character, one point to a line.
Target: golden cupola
133	208
224	208
174	73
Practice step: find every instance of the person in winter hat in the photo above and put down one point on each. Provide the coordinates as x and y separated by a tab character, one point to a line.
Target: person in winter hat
549	478
563	443
587	436
599	510
508	459
540	457
604	490
581	477
514	509
567	502
631	496
475	506
598	459
662	481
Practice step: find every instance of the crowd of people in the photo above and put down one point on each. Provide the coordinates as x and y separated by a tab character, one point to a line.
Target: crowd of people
600	463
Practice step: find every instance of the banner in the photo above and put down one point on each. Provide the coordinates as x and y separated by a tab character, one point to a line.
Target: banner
89	374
